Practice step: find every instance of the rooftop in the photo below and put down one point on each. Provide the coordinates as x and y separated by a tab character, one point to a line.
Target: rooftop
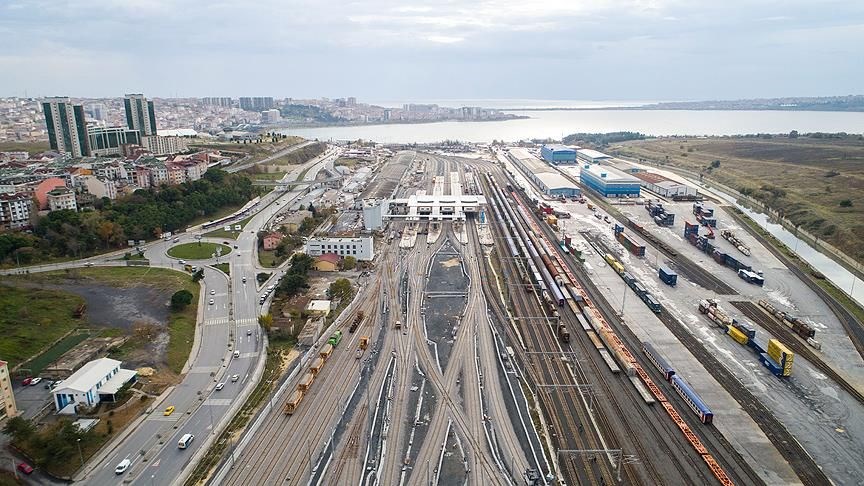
555	181
651	177
86	378
117	381
559	147
329	257
594	154
609	174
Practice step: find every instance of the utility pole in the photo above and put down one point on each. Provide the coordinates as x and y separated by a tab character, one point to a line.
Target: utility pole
80	454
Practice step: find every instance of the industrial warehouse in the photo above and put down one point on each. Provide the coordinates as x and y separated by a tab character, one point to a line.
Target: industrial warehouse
558	154
608	181
549	180
663	186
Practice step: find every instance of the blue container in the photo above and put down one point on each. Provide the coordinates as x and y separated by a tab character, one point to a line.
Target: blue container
668	276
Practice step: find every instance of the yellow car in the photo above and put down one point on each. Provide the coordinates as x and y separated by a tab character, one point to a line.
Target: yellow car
168	411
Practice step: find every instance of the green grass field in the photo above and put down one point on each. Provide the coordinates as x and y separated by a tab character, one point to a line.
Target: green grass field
224	267
31	147
181	325
31	319
197	251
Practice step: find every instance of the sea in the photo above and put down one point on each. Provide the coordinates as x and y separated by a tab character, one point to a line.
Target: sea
553	119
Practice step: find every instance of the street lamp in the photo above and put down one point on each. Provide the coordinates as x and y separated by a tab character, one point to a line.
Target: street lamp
80	454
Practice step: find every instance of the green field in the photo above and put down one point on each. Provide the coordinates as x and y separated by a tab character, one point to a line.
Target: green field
32	319
223	267
197	251
181	325
31	147
816	183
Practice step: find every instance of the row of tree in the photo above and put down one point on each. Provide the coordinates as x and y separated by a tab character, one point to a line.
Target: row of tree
139	216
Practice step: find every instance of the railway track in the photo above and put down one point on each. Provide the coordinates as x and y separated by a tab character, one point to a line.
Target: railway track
790	339
854	328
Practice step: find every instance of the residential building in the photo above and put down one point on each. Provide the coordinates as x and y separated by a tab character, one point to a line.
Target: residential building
158	174
558	154
140	114
270	116
15	210
608	181
44	187
272	240
328	262
95	382
8	408
258	103
61	198
67	127
360	248
159	145
219	101
99	188
110	140
141	177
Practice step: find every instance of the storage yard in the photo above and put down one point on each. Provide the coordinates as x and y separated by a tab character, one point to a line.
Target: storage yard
565	336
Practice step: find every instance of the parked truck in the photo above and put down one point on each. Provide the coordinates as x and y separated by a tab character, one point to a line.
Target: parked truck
668	276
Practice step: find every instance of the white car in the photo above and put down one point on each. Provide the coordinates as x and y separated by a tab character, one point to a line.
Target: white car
35	381
211	301
122	467
248	332
220	386
212	291
182	262
235	377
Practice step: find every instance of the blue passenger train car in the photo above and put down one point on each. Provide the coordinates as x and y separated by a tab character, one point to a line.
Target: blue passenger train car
658	361
693	401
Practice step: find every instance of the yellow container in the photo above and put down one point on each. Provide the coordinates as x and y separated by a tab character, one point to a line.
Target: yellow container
737	335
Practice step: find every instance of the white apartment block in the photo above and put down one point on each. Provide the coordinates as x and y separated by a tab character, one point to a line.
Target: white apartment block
97	187
159	145
15	210
62	198
359	248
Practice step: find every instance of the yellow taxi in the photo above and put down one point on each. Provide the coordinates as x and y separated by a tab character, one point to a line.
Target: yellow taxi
168	411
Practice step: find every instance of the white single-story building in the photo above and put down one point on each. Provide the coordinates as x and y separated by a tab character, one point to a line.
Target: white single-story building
97	381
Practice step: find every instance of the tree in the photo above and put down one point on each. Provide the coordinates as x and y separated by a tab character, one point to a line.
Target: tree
266	321
793	134
301	263
340	289
715	164
19	428
181	299
846	203
293	283
349	262
262	277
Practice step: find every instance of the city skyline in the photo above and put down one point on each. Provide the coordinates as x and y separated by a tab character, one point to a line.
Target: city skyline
659	50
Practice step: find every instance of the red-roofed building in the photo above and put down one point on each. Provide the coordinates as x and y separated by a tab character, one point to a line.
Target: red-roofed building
272	240
328	262
44	187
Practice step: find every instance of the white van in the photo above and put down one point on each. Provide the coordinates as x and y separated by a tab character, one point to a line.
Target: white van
185	441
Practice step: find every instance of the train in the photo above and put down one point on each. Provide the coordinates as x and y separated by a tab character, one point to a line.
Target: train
797	325
693	400
634	284
777	358
356	322
296	397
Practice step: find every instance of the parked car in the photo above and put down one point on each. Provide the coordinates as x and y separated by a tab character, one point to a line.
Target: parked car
26	381
25	468
35	381
122	467
168	411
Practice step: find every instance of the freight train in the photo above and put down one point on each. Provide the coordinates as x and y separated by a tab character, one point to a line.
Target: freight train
632	245
797	325
634	284
306	381
691	234
777	358
729	236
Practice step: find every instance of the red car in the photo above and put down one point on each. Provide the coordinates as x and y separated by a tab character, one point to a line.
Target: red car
27	381
25	468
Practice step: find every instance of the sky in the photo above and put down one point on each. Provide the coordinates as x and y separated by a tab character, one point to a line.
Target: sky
418	50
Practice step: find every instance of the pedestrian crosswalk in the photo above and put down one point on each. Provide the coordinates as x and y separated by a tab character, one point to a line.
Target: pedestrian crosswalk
216	321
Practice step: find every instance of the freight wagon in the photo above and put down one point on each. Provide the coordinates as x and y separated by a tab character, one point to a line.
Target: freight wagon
306	382
751	277
797	325
326	351
693	400
293	402
316	366
563	334
668	276
652	303
356	323
632	245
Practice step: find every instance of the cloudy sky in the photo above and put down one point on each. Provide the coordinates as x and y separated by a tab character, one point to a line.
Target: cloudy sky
416	49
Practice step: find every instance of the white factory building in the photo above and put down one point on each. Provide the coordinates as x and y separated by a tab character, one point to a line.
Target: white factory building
663	186
547	179
591	156
359	248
